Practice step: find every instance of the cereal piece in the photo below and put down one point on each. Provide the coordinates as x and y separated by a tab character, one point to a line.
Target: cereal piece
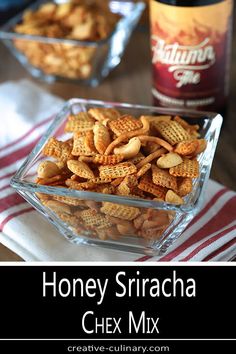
47	169
62	10
123	189
117	221
68	200
163	178
187	148
138	193
153	119
128	183
89	141
79	147
108	159
124	124
80	186
172	131
185	186
57	207
131	181
143	170
173	198
83	31
99	180
120	170
101	114
151	157
102	234
202	144
101	137
152	234
93	219
189	127
131	149
151	224
71	220
146	184
169	160
112	233
120	211
128	135
104	188
58	149
79	122
43	197
80	169
188	168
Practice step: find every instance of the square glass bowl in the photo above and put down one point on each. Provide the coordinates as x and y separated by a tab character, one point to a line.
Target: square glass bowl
93	229
51	59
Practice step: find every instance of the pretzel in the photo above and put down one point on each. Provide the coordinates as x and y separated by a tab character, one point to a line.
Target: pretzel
156	140
143	170
151	157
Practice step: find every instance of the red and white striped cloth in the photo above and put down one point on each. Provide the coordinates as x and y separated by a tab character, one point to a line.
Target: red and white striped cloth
211	236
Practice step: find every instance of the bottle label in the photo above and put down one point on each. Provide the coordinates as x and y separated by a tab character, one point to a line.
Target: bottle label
190	54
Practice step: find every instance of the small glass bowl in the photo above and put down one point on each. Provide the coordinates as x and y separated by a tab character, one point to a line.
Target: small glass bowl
76	231
98	57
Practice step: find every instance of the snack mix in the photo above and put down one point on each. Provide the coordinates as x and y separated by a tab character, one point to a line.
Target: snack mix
149	157
77	19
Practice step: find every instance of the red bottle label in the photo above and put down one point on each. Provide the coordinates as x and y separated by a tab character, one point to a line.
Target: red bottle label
190	54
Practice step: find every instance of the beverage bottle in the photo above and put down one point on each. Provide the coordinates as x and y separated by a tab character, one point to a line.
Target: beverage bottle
191	44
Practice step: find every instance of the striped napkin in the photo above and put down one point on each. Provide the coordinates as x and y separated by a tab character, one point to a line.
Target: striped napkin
211	236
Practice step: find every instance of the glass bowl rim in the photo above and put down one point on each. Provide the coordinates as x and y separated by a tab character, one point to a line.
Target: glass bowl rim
18	183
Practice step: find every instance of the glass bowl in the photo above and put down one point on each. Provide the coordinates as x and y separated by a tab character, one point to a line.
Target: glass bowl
85	62
73	202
